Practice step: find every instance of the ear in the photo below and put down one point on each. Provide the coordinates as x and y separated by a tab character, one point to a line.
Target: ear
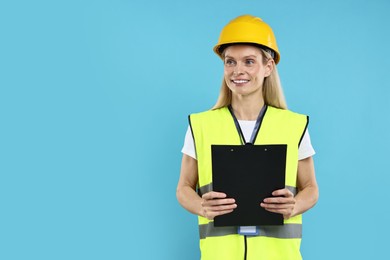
269	67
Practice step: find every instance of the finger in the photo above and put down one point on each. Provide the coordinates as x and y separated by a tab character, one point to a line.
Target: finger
216	202
285	213
273	211
213	195
223	212
283	192
279	200
222	207
277	206
212	215
279	209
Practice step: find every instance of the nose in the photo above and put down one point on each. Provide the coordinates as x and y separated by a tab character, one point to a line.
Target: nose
238	70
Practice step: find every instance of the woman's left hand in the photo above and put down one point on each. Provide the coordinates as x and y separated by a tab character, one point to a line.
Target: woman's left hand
283	203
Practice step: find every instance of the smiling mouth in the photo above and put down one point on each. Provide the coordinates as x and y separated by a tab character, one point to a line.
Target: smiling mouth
240	81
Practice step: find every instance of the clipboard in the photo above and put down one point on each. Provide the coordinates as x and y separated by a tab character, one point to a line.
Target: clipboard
249	174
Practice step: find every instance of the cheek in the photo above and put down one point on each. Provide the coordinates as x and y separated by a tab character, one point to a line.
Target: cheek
258	74
227	75
227	71
256	71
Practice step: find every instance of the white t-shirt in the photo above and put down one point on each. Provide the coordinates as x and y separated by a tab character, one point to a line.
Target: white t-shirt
305	148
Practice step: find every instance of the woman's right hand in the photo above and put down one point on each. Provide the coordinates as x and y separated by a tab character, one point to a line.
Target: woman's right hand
216	204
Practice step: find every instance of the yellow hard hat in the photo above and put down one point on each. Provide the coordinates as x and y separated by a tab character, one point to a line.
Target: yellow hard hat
248	29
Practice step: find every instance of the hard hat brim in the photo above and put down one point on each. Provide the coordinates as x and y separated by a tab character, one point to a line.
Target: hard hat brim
220	48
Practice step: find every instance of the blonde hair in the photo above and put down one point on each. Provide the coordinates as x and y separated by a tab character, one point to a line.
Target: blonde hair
272	88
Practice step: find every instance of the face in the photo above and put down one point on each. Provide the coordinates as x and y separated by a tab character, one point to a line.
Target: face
244	70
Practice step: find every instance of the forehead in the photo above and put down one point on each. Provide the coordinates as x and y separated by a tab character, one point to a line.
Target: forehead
242	50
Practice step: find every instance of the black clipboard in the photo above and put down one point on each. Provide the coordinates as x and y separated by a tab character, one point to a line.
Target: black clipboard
249	174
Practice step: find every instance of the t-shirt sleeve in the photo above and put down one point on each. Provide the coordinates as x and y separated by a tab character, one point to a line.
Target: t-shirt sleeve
189	146
305	148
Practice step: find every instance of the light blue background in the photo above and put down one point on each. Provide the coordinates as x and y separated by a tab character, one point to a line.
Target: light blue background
94	101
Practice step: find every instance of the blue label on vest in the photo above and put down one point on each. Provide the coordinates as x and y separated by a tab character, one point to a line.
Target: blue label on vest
248	230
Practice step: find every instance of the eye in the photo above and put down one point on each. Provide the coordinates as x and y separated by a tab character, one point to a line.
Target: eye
229	62
249	61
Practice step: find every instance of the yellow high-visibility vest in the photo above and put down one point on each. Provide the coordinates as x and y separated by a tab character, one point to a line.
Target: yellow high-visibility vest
273	242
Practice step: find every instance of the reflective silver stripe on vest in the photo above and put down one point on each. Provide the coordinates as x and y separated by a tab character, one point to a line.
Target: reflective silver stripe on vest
209	187
294	190
204	189
285	231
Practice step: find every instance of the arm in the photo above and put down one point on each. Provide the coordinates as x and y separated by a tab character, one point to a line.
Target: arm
308	193
210	204
284	201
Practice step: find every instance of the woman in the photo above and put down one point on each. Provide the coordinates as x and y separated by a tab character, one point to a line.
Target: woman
251	107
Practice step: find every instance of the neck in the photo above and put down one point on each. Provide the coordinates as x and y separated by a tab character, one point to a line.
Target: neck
247	107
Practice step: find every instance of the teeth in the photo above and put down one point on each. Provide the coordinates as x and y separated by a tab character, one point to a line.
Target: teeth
240	81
